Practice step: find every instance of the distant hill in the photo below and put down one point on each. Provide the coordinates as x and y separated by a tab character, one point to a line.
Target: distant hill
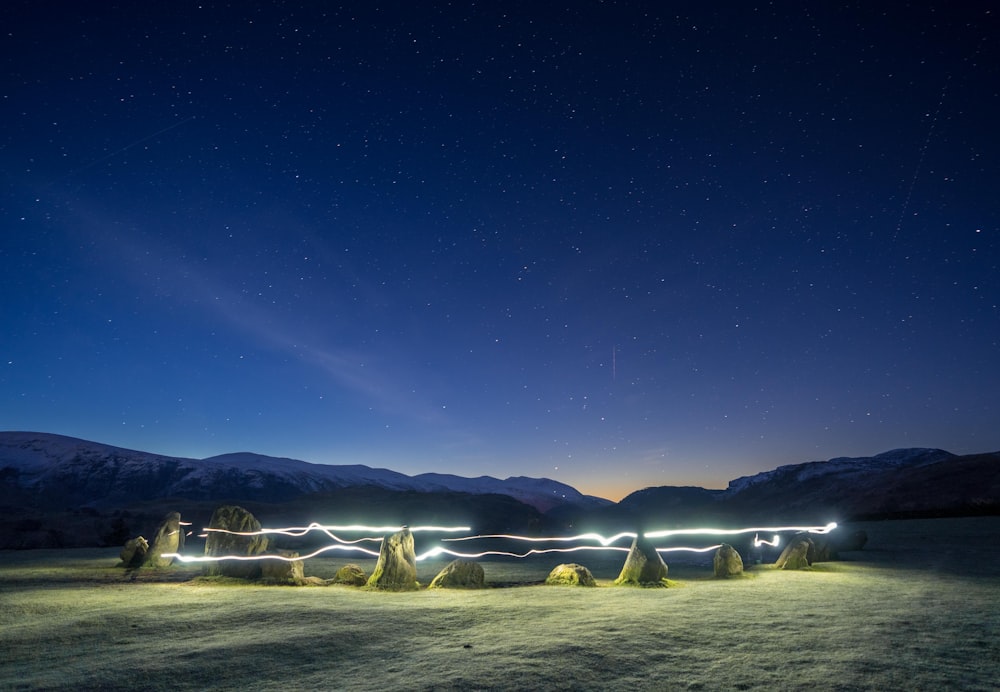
57	469
895	484
61	491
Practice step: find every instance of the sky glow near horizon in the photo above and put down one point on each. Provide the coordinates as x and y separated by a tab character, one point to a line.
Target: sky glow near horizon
616	245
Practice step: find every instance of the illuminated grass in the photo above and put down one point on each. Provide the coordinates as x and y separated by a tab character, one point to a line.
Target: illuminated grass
903	614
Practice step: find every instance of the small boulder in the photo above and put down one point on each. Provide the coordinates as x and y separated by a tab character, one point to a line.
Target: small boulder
460	574
134	552
643	566
396	569
570	575
169	539
796	554
285	568
233	531
727	562
352	575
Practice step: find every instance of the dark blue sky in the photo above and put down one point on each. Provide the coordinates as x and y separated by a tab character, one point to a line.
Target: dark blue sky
615	244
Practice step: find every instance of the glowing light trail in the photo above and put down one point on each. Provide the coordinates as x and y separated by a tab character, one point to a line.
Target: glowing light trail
248	558
732	532
758	542
298	531
604	541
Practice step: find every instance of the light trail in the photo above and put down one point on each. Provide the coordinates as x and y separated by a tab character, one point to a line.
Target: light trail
604	541
758	542
249	558
434	552
732	532
298	531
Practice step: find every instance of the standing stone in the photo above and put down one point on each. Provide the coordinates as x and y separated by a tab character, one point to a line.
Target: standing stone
169	539
396	569
796	554
288	570
570	575
219	543
643	566
727	562
460	574
134	552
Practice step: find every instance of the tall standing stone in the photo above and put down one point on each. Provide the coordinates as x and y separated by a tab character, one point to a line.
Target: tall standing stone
643	566
234	531
169	539
796	554
396	569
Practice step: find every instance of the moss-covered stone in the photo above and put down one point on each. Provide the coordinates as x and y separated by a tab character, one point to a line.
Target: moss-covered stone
570	574
460	574
352	575
396	569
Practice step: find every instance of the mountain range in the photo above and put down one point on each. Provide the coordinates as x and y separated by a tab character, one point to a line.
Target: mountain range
57	490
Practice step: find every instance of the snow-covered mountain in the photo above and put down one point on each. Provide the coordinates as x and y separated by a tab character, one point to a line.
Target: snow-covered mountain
842	467
89	473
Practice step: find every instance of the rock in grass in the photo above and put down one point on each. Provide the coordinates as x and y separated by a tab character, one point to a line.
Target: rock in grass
352	575
796	554
283	569
643	566
396	569
227	535
570	574
134	552
460	574
169	539
727	562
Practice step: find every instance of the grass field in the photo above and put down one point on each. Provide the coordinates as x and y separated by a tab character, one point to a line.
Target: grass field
917	609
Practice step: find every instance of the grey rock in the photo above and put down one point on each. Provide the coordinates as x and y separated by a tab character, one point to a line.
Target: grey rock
283	569
460	574
224	538
134	552
727	562
643	566
396	569
796	554
169	539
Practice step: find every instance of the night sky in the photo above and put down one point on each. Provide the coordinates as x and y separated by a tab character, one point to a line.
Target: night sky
617	244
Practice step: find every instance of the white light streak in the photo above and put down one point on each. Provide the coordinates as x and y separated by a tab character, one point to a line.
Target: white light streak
605	542
732	532
758	542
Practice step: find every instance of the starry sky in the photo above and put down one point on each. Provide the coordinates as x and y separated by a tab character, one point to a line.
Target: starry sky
617	244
